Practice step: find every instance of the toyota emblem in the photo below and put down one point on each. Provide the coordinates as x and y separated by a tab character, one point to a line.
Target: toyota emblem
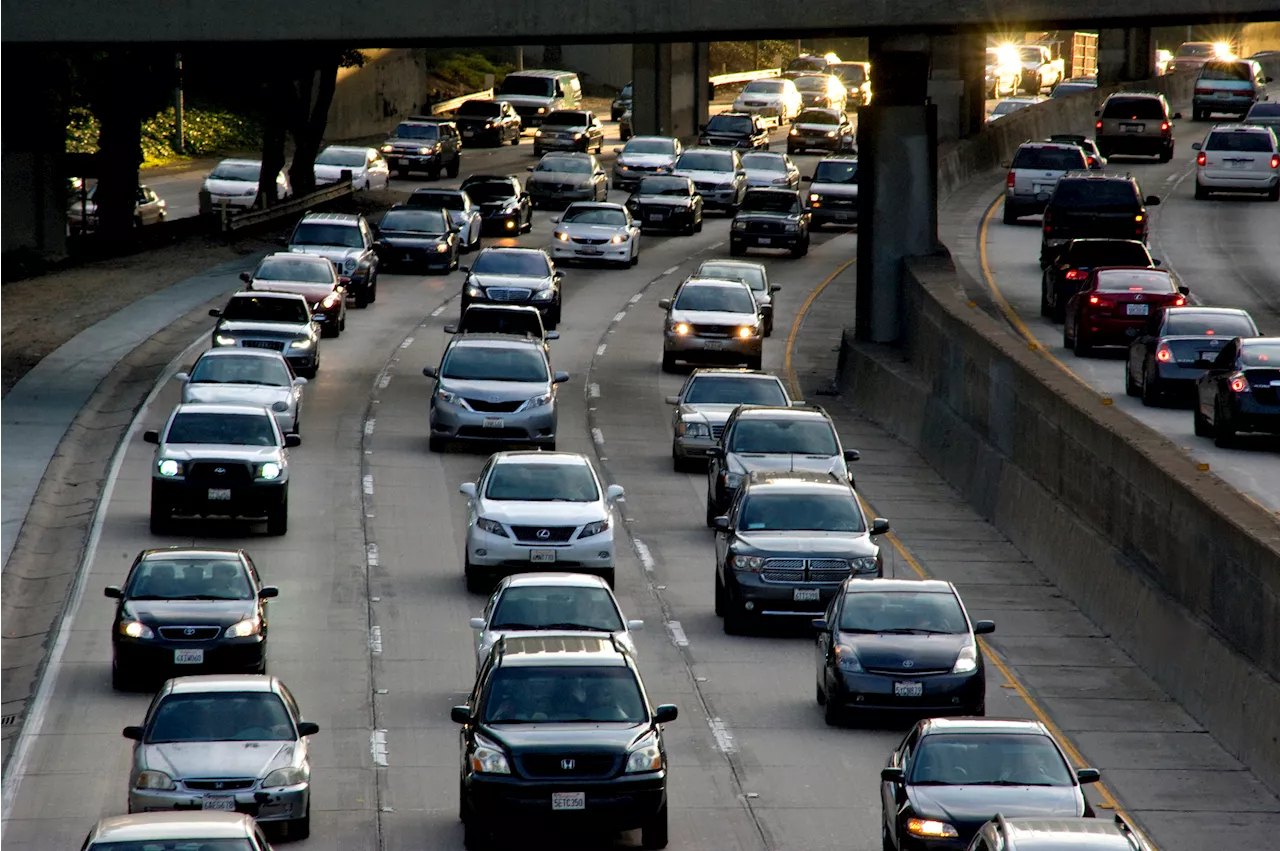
188	631
567	764
908	664
221	471
543	534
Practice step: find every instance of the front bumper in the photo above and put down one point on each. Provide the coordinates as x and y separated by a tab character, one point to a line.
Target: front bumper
283	804
750	239
824	213
608	251
559	143
814	143
417	256
501	223
192	498
942	693
1242	181
156	657
543	195
684	446
231	202
488	550
412	162
749	591
454	422
693	349
718	198
623	803
663	217
305	361
474	135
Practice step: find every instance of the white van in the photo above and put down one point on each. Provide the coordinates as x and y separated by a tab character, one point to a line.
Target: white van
534	94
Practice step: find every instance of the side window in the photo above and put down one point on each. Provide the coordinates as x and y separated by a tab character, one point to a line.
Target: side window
907	751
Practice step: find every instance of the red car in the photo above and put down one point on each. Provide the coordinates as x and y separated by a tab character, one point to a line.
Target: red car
1113	305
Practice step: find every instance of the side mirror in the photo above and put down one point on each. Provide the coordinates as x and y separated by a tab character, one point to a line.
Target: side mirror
673	400
299	381
1088	775
1177	116
213	311
555	220
892	774
773	288
246	277
617	150
615	492
151	436
134	733
451	329
635	626
467	489
1151	201
113	592
182	377
1195	146
430	372
1184	290
666	713
282	240
292	440
552	335
1155	262
460	714
879	526
529	168
558	275
308	728
852	455
477	623
984	627
665	303
820	624
722	524
561	377
465	269
799	403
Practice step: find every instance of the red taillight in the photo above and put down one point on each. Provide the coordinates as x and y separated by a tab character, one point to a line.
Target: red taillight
1098	125
1200	160
1009	179
1164	354
1164	127
1275	161
1204	91
1077	275
1179	301
1100	301
1239	385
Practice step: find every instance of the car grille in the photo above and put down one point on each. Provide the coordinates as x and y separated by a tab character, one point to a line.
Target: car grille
488	407
198	633
589	241
492	433
907	672
839	203
710	187
714	330
555	534
716	431
764	227
509	293
805	131
220	785
805	570
233	474
583	765
724	143
276	345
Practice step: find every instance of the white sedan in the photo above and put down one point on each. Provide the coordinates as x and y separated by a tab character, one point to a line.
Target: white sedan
246	376
774	100
368	169
591	230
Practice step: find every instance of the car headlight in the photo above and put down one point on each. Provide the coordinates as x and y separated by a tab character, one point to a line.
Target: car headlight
562	236
864	564
594	528
331	299
544	295
134	629
488	757
967	661
448	397
269	470
284	777
244	629
752	564
645	756
541	109
475	292
170	468
931	828
152	779
386	149
695	429
831	134
732	480
746	331
349	265
537	132
623	167
577	136
794	132
442	248
815	197
781	181
618	239
224	340
538	401
847	660
426	149
299	344
680	328
787	227
493	527
739	225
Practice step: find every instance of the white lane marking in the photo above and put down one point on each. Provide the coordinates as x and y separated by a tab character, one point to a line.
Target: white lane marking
368	427
371	555
619	316
600	349
646	557
439	310
597	435
378	746
715	245
384	381
593	391
1171	178
724	739
678	638
39	706
408	341
672	270
367	484
375	639
635	298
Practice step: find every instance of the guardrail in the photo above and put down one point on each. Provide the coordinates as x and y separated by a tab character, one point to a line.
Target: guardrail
453	103
292	206
745	77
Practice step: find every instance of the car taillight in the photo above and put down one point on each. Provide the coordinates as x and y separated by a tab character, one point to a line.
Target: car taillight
1239	384
1009	179
1097	125
1077	275
1275	161
1179	301
1201	91
1163	353
1100	301
1200	160
1164	127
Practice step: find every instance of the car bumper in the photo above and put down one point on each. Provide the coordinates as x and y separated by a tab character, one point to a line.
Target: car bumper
490	135
1133	144
544	307
428	257
1222	104
1027	204
689	348
547	143
283	804
1249	414
779	599
156	656
942	693
412	161
664	218
231	202
616	805
619	252
694	447
302	362
1110	331
501	223
842	214
766	240
814	143
488	550
454	422
718	199
193	498
1242	181
1177	380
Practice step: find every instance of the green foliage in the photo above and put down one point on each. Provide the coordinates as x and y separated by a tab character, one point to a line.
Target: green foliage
205	131
735	57
466	71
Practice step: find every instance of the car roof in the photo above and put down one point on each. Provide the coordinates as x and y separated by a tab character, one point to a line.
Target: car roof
783	481
488	178
763	411
501	341
539	650
652	138
228	408
269	294
351	219
732	114
1068	834
558	580
1052	144
756	374
240	352
596	205
512	249
165	553
1083	174
1249	341
1211	311
293	255
203	824
713	282
927	586
261	683
437	190
535	456
347	148
539	72
967	724
1236	127
239	161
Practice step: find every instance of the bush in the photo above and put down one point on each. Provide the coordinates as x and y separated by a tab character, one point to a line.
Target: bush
205	131
466	71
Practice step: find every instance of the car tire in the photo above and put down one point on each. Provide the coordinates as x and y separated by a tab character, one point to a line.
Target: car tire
690	229
278	517
768	326
1273	194
722	596
515	140
756	363
296	829
1083	347
734	619
1149	390
342	323
120	681
553	318
736	249
698	229
1046	309
819	695
1224	433
454	167
712	514
679	464
1199	115
1010	214
653	836
1202	194
831	713
476	579
1067	342
435	444
1131	387
362	301
668	363
476	837
608	576
886	844
161	518
329	330
1166	154
1199	424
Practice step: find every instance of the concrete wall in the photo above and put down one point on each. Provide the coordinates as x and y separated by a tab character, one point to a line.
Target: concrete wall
1256	37
601	66
369	100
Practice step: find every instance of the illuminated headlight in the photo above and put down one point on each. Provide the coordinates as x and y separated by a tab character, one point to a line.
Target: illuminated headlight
680	328
541	109
622	167
153	780
270	470
864	564
170	468
244	629
133	629
813	199
645	756
284	777
493	527
511	225
746	331
750	563
617	239
537	132
930	828
426	150
537	401
350	264
577	136
695	429
475	292
488	758
732	480
739	225
594	528
386	149
543	295
442	248
223	340
847	660
831	134
448	398
967	661
562	236
299	344
330	300
794	132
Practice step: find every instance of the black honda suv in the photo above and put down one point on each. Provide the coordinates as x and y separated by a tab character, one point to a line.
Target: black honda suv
558	733
1104	204
771	218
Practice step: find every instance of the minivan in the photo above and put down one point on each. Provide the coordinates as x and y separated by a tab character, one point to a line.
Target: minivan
1228	86
1135	124
534	94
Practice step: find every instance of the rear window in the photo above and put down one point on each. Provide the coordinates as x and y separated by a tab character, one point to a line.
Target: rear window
1260	354
1268	109
1095	194
1090	254
1254	142
480	109
1049	159
1134	281
1237	71
1208	325
1133	108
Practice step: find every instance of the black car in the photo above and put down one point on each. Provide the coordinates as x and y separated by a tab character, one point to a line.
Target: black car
821	129
558	733
188	610
1239	390
950	775
1093	204
621	102
505	208
515	276
1161	361
900	645
768	438
1070	268
735	130
770	218
667	203
424	143
488	122
786	544
417	237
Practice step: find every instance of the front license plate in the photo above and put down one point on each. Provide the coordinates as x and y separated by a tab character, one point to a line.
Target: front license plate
713	345
493	422
908	689
468	132
223	494
842	217
188	657
568	800
655	217
542	556
1137	309
804	595
224	803
764	240
590	251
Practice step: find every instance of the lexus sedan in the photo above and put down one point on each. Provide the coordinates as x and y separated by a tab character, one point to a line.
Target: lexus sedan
754	275
418	237
278	322
256	377
704	403
1239	390
368	169
1113	306
1162	361
596	232
515	276
314	278
712	321
643	156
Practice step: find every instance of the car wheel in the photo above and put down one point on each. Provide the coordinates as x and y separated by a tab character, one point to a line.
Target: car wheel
1131	387
801	250
553	318
362	301
476	837
329	330
1046	309
886	844
1067	342
454	167
680	464
737	249
691	229
299	828
1200	424
435	444
433	173
1166	154
819	695
161	518
477	581
1010	214
1083	346
120	681
1273	194
722	596
712	514
756	363
1224	432
278	517
1150	389
831	713
653	836
342	323
768	326
668	363
1202	194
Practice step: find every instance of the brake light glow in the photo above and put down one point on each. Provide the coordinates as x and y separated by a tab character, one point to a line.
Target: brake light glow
1138	218
1009	179
1077	275
1275	160
1201	91
1164	127
1179	301
1164	354
1100	301
1239	385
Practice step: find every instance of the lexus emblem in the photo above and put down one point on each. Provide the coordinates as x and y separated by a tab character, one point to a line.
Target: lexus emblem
543	534
221	471
908	664
188	631
567	764
1138	297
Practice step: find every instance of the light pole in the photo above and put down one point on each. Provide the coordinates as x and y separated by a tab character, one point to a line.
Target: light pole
178	143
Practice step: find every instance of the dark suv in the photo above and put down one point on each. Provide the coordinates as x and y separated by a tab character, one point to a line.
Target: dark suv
735	130
558	733
424	143
770	218
786	544
1093	204
1067	273
505	208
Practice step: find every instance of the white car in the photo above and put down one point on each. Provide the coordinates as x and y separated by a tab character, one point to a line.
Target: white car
234	183
1238	158
258	377
148	209
591	230
1008	106
368	169
551	602
535	510
770	170
770	99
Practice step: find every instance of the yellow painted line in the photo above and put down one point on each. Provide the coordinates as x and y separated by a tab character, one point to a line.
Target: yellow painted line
1109	801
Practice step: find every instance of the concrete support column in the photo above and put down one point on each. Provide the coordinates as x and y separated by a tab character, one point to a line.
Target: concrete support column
34	187
1125	55
898	182
669	89
957	83
973	71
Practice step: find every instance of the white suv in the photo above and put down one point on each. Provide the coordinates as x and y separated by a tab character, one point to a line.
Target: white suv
1238	158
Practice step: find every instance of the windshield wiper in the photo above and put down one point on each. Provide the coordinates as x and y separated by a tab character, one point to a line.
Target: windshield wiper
1006	783
582	626
202	597
913	630
514	626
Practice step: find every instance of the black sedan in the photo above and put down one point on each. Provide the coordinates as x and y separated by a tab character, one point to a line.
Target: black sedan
771	218
188	610
735	130
1064	277
1162	361
900	645
949	776
488	122
418	237
1239	390
667	203
505	208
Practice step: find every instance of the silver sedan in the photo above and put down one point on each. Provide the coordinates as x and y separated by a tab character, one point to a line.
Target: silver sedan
770	170
597	232
246	377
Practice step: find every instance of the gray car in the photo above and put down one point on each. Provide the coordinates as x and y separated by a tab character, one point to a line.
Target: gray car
1034	172
833	192
494	388
347	240
561	178
704	404
643	156
569	130
280	322
232	743
770	170
718	176
753	275
712	321
246	377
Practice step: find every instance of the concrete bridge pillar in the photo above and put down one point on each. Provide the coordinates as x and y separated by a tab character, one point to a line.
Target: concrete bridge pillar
669	88
1125	55
898	180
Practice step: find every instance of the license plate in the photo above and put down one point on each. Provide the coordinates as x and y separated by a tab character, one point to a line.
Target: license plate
591	251
1133	128
1041	187
224	803
223	494
468	132
188	657
1211	356
764	240
1137	309
1239	164
655	217
843	217
493	422
713	345
542	556
568	800
908	689
804	595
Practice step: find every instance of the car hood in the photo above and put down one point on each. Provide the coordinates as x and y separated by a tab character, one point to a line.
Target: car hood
764	216
969	807
843	190
236	394
712	317
499	203
311	292
410	144
230	187
786	461
563	129
559	177
218	759
518	513
221	612
708	413
761	176
586	231
924	652
814	544
275	330
484	280
725	134
585	737
706	176
645	160
409	237
337	253
825	128
231	452
495	391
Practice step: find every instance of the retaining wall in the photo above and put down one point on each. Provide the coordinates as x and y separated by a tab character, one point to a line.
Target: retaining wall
368	101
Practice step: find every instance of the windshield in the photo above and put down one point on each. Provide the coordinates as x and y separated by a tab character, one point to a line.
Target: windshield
534	86
764	87
479	109
415	131
490	190
664	186
542	483
1260	109
323	233
556	607
208	578
1005	107
836	172
1131	108
1096	194
1194	49
530	264
1071	89
705	161
221	717
1049	159
770	202
784	436
246	172
812	84
777	512
1237	71
1031	54
1260	354
565	119
227	429
1086	255
817	116
255	309
649	146
764	162
730	390
806	64
348	159
1207	325
982	759
850	75
626	91
1257	142
726	299
437	200
730	124
588	695
1135	281
902	611
301	269
595	216
564	165
750	274
480	363
241	369
417	221
176	845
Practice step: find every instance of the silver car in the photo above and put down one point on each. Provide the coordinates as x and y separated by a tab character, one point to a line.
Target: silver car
494	387
148	208
704	404
1265	115
769	170
560	178
198	829
347	240
234	184
712	321
226	743
775	100
562	603
643	156
718	176
596	232
1033	174
461	209
254	377
753	275
280	322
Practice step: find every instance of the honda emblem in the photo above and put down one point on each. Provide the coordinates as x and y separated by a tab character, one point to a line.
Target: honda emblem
543	534
218	785
567	764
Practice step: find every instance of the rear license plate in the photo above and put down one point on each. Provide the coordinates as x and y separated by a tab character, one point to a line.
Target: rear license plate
224	803
468	132
1239	164
188	657
568	800
764	240
804	595
542	556
1133	128
1137	309
223	494
1208	356
908	689
1041	187
493	422
843	217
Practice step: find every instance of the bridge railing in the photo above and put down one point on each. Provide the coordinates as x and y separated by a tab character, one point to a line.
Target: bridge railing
745	76
453	103
229	221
